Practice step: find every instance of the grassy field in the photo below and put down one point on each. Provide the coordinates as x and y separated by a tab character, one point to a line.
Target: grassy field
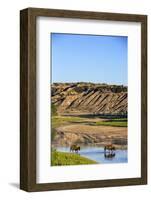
61	120
62	158
113	122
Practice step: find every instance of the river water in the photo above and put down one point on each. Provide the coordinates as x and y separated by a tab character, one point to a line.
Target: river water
97	154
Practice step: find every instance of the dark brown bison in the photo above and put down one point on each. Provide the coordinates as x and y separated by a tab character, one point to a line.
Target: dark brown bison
109	148
74	148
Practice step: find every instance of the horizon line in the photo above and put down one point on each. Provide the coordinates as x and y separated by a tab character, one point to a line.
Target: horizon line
101	83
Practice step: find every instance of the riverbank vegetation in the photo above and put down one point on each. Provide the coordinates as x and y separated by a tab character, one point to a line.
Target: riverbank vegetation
62	158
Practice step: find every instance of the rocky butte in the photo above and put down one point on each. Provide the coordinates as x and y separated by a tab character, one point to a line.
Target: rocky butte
89	98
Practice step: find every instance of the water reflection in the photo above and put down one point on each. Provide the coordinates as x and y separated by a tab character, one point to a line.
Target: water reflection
109	155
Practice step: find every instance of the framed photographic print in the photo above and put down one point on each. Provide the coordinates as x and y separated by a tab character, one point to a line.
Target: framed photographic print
83	99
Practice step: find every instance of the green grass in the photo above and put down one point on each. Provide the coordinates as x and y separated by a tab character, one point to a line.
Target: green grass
61	120
119	119
113	122
62	158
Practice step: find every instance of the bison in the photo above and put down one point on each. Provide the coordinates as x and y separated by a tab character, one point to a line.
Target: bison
74	148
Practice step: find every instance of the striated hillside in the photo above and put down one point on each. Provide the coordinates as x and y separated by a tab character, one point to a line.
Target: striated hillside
89	98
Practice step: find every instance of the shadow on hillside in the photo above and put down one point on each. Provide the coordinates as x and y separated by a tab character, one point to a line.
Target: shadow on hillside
104	116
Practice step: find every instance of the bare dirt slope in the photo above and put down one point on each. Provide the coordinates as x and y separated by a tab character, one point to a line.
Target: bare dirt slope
87	134
89	98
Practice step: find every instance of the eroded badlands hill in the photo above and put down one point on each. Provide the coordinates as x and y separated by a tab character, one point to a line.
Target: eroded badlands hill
89	98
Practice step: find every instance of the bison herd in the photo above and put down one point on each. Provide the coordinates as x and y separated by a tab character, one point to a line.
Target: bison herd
109	150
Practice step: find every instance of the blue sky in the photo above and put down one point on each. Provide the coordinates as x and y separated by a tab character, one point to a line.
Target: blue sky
89	58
